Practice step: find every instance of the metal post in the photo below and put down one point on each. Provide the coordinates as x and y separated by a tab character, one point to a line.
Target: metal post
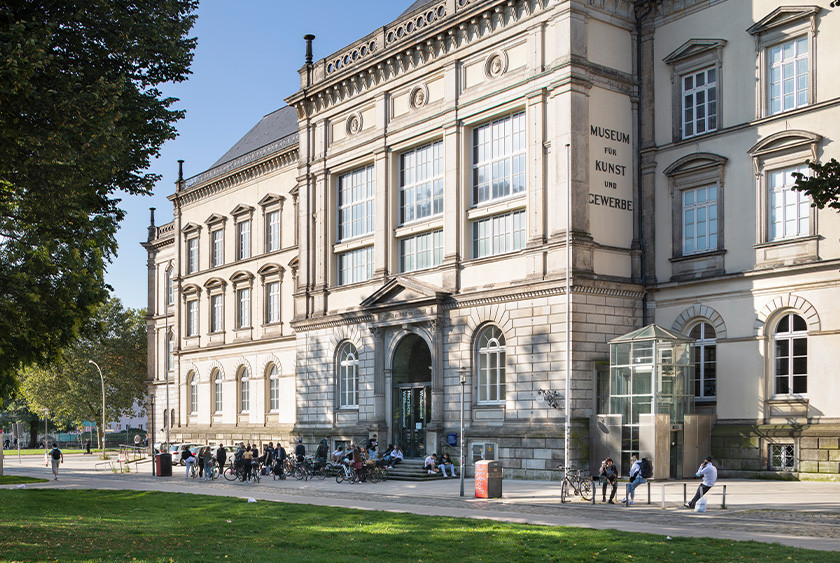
663	495
462	377
724	497
102	379
627	495
167	422
648	484
685	494
594	491
46	416
567	423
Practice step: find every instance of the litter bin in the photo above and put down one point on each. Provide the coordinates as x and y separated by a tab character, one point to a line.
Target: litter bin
163	465
488	479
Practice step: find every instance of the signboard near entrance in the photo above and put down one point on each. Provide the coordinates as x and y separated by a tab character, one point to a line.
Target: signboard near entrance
452	439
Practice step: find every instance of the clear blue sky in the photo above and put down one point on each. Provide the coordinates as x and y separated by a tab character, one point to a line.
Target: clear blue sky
246	62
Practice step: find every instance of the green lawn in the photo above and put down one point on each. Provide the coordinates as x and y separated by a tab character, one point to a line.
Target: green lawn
18	479
98	525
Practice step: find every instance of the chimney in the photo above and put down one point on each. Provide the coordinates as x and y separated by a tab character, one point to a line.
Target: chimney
152	224
308	38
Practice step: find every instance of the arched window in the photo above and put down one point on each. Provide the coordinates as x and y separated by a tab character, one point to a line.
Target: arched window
273	389
193	393
348	376
490	352
217	391
705	360
790	357
244	390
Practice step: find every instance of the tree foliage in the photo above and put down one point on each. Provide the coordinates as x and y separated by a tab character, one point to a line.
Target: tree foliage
81	116
823	185
71	387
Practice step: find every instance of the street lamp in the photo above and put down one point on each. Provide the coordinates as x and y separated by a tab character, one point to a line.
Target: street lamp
102	379
462	378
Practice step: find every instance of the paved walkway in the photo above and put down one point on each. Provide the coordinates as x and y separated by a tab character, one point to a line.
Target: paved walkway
802	514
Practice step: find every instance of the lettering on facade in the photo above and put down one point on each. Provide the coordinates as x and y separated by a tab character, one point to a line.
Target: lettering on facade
609	134
610	168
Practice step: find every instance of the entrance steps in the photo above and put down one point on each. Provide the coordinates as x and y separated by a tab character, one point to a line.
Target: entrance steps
412	470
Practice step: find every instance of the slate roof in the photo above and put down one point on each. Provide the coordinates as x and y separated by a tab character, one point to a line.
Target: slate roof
274	126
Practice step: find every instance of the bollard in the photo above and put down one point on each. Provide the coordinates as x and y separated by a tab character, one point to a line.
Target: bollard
724	497
663	495
685	494
627	495
594	490
648	484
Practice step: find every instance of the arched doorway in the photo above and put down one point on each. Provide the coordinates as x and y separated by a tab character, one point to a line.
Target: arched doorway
412	384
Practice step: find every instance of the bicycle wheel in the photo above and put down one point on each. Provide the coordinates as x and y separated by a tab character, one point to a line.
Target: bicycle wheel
215	473
586	489
299	473
339	478
374	475
255	475
354	477
229	473
564	490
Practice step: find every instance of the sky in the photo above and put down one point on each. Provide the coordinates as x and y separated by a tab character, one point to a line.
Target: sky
246	62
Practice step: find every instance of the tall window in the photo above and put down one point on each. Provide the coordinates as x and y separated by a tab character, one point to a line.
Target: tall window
790	210
217	391
355	203
272	311
243	240
348	376
170	287
217	248
170	362
421	182
699	96
499	158
421	251
499	234
272	240
700	220
193	394
705	360
244	390
355	266
192	317
790	343
243	308
216	312
788	75
273	389
491	365
192	255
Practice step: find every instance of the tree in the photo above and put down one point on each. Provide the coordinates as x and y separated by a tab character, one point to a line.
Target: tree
81	116
823	186
71	388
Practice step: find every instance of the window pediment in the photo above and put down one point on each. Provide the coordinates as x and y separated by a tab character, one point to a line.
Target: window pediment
242	209
241	276
215	283
190	290
692	48
691	163
786	141
783	16
271	199
215	219
190	228
270	270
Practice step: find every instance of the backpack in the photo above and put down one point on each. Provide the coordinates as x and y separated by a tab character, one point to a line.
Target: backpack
56	453
646	468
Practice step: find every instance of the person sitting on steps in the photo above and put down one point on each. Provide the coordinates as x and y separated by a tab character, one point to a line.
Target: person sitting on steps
431	465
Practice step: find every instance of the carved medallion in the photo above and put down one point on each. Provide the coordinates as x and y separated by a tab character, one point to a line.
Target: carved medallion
419	96
496	64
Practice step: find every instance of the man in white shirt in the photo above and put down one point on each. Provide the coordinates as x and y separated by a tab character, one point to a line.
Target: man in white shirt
708	473
431	464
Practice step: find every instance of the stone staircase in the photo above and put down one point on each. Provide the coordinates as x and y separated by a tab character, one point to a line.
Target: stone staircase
412	470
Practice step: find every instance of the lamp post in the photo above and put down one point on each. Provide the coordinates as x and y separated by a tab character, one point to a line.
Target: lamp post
102	379
567	400
462	378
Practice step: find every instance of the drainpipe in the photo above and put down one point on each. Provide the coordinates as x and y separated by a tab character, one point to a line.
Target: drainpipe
640	16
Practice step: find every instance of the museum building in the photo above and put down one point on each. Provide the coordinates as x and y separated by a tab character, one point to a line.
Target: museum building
484	196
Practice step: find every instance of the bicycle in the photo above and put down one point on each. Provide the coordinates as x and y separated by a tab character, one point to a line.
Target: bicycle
574	483
346	473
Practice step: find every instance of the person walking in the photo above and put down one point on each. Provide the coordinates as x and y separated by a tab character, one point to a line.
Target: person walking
609	475
221	457
57	457
636	479
708	473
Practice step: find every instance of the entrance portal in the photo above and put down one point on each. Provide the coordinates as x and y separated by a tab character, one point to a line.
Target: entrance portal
412	405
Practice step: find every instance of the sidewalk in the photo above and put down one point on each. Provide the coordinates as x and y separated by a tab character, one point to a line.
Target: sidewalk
802	514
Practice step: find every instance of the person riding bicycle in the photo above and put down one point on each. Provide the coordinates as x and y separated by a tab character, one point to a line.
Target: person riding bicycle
300	450
321	454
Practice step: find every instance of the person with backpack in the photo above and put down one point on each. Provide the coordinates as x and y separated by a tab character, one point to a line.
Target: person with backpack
321	454
609	476
708	473
637	477
57	458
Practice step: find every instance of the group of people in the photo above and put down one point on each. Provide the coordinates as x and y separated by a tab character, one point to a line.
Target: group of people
641	470
433	465
205	460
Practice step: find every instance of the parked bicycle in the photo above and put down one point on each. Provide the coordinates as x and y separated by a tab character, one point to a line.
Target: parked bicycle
346	473
574	483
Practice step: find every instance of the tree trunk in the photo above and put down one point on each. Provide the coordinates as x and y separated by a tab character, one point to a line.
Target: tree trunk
34	426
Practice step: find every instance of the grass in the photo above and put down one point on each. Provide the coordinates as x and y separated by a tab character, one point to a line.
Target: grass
18	479
99	525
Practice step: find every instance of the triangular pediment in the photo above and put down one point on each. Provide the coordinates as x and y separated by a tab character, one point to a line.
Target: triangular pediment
402	290
190	228
270	199
692	48
215	218
242	209
782	16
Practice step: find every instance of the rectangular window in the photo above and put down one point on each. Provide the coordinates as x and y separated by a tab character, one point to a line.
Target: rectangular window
355	203
699	95
272	221
192	255
170	287
421	251
498	159
788	75
782	457
216	312
272	312
421	183
483	451
217	257
243	240
192	318
699	220
499	234
355	266
243	308
790	210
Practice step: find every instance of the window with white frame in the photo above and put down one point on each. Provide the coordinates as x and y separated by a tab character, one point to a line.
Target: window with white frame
699	98
421	182
170	287
700	219
355	266
192	317
193	393
348	376
499	158
244	390
790	358
217	391
705	360
243	240
217	248
273	389
499	234
782	457
243	308
421	251
272	240
483	451
490	352
787	81
272	300
789	213
356	203
217	313
192	255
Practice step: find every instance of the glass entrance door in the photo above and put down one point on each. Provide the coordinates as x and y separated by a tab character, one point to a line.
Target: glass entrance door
412	411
